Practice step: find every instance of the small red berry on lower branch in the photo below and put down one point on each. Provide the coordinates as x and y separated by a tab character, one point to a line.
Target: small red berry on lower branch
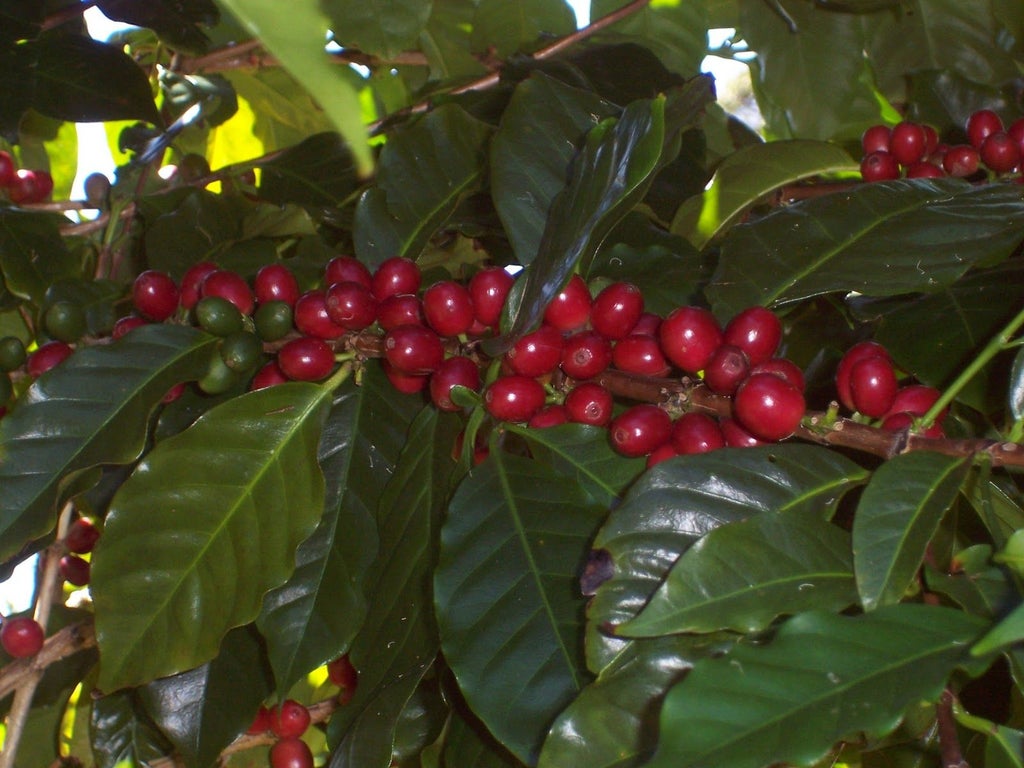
291	753
21	637
640	429
768	407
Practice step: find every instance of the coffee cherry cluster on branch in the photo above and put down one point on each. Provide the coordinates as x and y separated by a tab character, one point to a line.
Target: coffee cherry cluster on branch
914	150
23	186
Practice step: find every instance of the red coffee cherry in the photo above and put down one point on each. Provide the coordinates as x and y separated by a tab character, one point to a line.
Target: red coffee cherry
262	721
455	371
924	170
647	325
306	359
514	398
125	324
895	422
859	351
275	282
21	637
311	317
755	330
394	276
347	269
290	720
916	399
999	152
488	290
640	353
640	429
8	172
726	369
660	454
74	570
549	416
537	353
908	143
48	356
82	536
981	125
413	349
736	436
768	407
780	366
586	354
876	139
350	305
589	403
616	310
406	383
695	432
270	375
192	281
448	308
291	753
155	295
344	675
401	309
879	166
231	286
873	386
961	160
570	309
689	337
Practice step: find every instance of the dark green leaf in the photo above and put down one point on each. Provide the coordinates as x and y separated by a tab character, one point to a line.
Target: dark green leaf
33	255
382	28
976	585
82	80
1004	746
584	454
196	229
92	409
398	640
312	617
425	171
608	176
743	575
823	678
510	26
896	518
542	127
317	172
680	500
676	32
508	605
20	19
123	734
173	20
1004	634
745	177
202	711
609	725
468	745
420	722
879	239
230	499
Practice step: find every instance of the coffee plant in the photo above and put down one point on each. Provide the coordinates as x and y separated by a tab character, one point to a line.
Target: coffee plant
476	390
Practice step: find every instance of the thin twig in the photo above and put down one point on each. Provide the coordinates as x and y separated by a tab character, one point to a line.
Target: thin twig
949	741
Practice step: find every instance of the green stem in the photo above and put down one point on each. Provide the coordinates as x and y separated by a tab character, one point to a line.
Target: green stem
340	376
996	344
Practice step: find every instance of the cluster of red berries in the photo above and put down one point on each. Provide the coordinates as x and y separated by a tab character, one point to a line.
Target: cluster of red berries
913	149
290	720
867	383
23	186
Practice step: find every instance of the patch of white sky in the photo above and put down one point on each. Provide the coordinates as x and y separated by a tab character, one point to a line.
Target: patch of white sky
94	156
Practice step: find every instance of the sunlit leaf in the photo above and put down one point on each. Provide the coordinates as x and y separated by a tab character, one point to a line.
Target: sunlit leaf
821	679
380	27
229	499
92	409
896	517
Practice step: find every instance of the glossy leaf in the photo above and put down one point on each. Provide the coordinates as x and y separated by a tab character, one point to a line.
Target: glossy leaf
425	172
980	588
1007	632
896	517
92	409
746	176
398	640
123	734
202	711
610	174
230	499
313	616
295	34
541	129
468	745
1004	747
32	254
609	725
680	500
316	172
507	597
886	238
743	575
382	28
583	453
82	80
510	26
821	679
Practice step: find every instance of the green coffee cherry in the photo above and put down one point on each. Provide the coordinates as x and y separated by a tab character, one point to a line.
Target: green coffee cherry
273	320
241	351
218	316
12	353
65	321
218	378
